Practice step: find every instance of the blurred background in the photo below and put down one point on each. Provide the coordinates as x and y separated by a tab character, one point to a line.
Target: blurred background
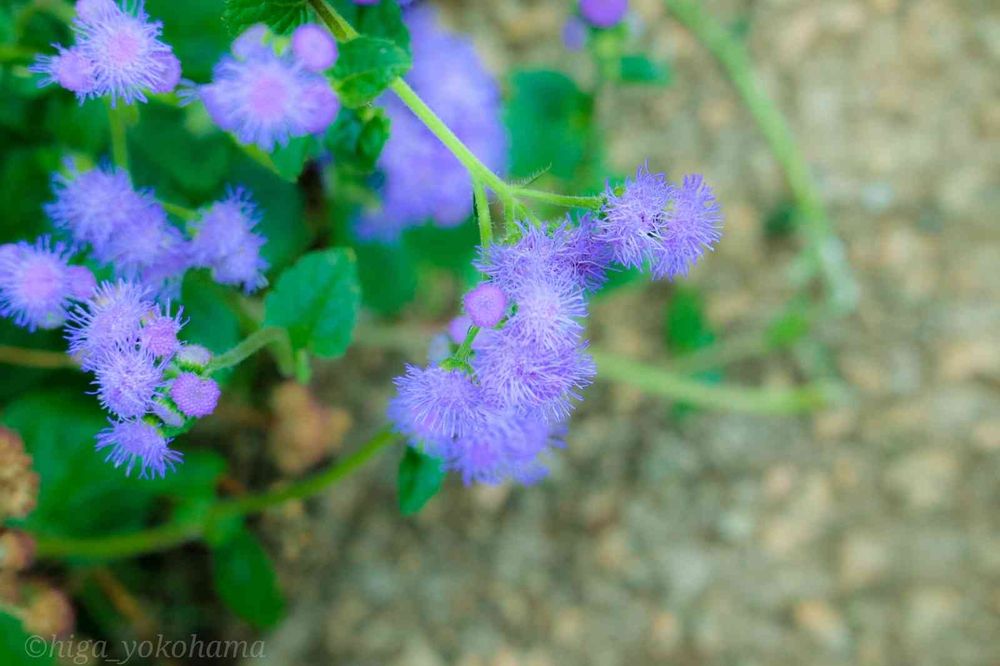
864	532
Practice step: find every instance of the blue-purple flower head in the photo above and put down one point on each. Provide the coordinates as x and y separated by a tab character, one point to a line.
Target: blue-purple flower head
650	222
423	181
434	405
112	316
265	98
127	377
604	13
314	47
136	443
225	242
118	53
37	284
194	395
507	445
486	305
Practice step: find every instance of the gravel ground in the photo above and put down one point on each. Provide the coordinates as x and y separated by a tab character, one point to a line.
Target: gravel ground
868	534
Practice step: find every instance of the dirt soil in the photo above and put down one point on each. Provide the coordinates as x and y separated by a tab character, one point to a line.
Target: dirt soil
867	534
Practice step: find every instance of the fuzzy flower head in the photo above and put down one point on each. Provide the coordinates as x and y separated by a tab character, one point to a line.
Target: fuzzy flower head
127	377
193	357
604	13
111	317
123	46
423	181
486	305
224	241
69	68
36	284
135	443
549	314
634	223
693	225
195	396
433	404
314	47
159	332
506	446
267	99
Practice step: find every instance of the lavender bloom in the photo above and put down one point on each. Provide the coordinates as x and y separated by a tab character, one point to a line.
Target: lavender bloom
136	442
423	180
127	377
507	446
604	13
548	314
159	333
69	68
433	404
314	47
574	34
692	226
225	241
91	10
267	99
193	357
81	281
585	257
111	317
125	51
486	305
195	396
93	205
35	283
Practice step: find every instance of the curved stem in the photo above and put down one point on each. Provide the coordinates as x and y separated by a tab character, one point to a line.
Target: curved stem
174	534
483	214
35	358
179	211
249	346
119	141
592	202
824	246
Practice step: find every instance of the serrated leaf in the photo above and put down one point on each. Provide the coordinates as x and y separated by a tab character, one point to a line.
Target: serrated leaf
245	580
317	301
281	15
420	478
365	67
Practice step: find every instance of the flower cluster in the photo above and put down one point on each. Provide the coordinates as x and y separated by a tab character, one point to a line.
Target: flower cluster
492	407
117	53
265	97
603	13
125	331
423	181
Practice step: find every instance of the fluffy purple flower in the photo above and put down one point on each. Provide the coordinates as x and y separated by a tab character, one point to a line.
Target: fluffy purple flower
314	47
584	256
225	242
507	445
693	225
82	282
111	317
486	305
69	68
604	13
91	10
548	314
124	49
127	377
515	376
193	357
195	396
423	181
36	283
433	404
267	99
137	443
159	332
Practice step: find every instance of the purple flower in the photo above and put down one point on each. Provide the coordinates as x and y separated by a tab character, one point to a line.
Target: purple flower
159	332
433	404
693	225
125	51
112	316
69	68
515	376
486	305
127	377
91	10
548	314
574	34
193	357
135	442
314	47
584	256
267	99
506	446
225	242
604	13
423	181
195	396
36	283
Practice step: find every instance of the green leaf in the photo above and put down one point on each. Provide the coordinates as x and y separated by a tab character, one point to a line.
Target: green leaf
211	323
317	300
388	276
281	15
640	69
356	139
384	19
549	119
245	580
19	648
687	327
420	477
365	67
291	158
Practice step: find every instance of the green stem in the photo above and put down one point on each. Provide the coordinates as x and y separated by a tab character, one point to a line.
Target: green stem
824	246
179	211
592	202
119	141
248	347
15	54
174	534
483	214
35	358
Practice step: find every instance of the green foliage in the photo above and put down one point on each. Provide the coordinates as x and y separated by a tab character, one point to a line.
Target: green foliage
686	325
388	276
245	580
640	69
365	67
281	15
550	124
356	139
420	478
211	323
383	20
317	300
291	158
789	327
18	647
